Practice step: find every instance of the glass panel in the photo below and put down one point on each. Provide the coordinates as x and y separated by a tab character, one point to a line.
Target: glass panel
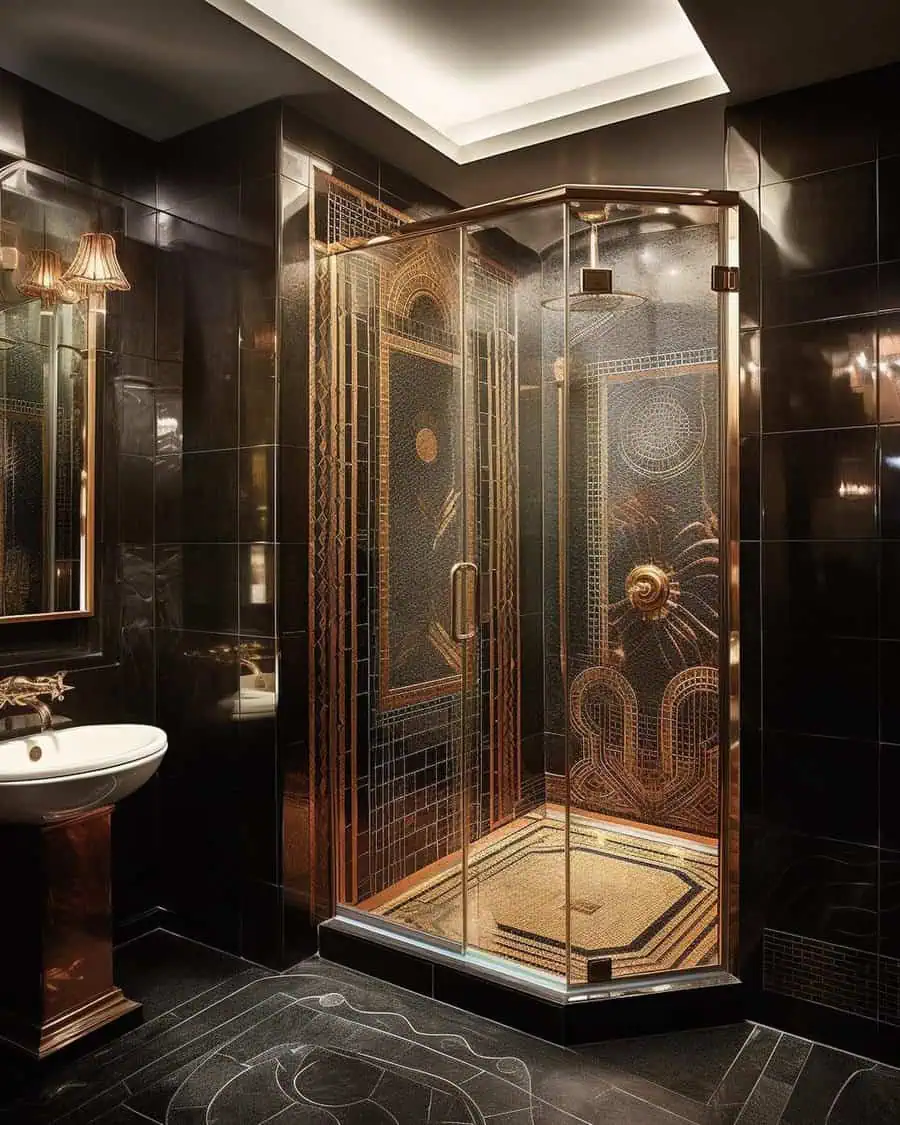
643	589
516	833
409	520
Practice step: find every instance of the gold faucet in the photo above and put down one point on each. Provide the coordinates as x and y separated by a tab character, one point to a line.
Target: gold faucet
26	691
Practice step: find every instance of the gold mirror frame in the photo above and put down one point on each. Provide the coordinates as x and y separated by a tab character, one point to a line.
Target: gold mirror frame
94	299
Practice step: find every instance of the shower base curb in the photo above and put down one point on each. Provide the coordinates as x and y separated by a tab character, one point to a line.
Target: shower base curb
705	999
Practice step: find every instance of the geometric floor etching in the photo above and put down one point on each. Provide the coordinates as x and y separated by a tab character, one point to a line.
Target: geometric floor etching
321	1045
646	899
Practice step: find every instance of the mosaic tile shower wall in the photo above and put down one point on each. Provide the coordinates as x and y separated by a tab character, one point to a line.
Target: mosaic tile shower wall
644	554
388	510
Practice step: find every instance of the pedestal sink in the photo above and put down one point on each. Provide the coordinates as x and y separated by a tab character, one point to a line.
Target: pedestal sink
52	776
57	791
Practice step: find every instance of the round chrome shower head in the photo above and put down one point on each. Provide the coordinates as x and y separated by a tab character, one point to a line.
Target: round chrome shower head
595	303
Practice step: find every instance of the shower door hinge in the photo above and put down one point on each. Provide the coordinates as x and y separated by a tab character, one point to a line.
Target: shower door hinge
725	279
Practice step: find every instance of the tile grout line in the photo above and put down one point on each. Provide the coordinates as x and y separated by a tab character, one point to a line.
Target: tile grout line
759	1079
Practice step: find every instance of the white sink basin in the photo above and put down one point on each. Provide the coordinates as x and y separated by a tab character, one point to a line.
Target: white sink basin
50	776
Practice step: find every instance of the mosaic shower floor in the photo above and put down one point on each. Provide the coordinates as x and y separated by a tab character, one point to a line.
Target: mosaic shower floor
645	898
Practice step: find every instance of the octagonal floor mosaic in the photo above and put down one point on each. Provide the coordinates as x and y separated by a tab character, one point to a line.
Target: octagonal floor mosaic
647	900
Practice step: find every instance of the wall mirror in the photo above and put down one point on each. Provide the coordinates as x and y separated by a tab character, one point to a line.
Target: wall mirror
57	264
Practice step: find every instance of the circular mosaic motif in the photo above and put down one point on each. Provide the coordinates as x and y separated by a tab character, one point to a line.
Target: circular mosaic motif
662	435
426	445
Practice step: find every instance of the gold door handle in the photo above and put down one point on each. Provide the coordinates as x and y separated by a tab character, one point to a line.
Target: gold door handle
458	604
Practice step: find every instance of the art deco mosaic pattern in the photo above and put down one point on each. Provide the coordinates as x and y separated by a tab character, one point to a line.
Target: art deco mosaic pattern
645	900
644	548
395	505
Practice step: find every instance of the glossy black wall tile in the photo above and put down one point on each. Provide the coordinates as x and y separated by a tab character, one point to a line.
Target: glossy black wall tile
822	786
818	223
821	588
818	376
889	208
890	482
794	143
819	484
817	685
818	883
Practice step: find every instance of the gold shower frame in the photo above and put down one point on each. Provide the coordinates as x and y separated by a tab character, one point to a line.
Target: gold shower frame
577	195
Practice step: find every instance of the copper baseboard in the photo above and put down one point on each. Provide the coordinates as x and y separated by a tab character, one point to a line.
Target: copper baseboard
39	1041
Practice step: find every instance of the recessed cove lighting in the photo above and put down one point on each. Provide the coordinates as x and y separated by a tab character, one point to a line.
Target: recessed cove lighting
517	75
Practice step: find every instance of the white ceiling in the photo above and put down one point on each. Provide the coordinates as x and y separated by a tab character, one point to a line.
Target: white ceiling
474	78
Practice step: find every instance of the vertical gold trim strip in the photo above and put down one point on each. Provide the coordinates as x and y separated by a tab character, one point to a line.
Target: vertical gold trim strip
563	515
729	744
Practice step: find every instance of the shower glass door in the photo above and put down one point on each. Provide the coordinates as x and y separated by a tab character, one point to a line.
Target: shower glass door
644	590
515	324
400	340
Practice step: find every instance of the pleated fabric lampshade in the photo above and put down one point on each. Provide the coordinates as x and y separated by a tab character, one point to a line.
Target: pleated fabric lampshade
95	267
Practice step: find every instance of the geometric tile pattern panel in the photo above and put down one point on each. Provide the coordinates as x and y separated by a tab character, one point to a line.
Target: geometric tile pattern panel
646	900
820	971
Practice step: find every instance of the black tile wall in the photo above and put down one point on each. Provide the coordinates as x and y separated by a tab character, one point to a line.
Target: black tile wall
821	487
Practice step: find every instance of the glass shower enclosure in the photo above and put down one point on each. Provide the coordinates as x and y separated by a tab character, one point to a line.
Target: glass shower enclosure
525	579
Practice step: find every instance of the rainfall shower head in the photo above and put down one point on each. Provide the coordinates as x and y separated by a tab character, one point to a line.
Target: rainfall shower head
596	295
595	303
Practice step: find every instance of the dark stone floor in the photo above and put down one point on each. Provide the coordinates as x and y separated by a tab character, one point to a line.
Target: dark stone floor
226	1042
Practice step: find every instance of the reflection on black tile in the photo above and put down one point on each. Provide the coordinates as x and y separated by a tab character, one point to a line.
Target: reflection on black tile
750	383
257	494
819	376
742	147
749	255
889	367
819	485
209	507
890	482
823	786
257	588
822	222
822	889
793	140
829	588
817	296
889	208
820	685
